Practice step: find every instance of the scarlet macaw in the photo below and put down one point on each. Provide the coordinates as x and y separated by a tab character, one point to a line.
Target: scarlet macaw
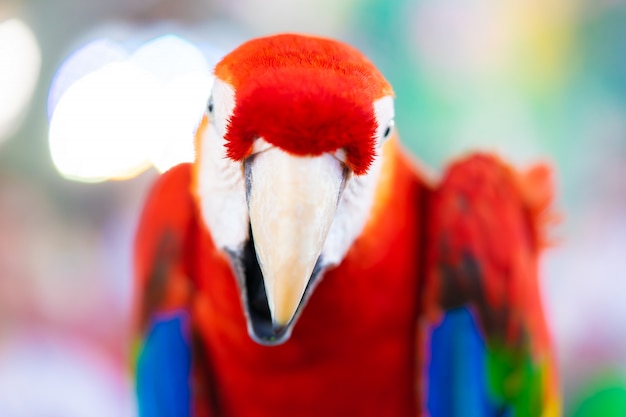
303	265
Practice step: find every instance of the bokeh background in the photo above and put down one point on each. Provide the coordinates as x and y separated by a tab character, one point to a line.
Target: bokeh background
98	97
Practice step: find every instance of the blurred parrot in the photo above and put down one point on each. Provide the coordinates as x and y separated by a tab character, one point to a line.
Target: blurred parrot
305	265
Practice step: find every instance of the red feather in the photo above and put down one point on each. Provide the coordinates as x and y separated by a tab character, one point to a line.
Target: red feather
307	96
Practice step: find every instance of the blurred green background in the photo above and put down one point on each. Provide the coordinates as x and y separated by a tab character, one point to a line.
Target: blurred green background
532	80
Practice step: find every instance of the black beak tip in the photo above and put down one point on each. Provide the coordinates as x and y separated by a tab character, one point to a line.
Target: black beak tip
261	327
272	338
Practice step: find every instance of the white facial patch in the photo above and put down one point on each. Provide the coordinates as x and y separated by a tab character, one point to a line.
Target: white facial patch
221	182
358	196
352	213
223	105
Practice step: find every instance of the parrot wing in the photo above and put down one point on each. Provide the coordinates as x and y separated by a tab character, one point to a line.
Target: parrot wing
162	291
490	351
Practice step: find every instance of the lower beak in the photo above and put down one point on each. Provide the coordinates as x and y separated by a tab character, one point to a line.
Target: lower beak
292	202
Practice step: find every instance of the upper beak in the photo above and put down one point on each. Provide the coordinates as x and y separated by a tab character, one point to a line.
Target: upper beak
292	202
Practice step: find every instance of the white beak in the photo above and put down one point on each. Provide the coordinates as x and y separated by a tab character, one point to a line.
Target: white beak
292	202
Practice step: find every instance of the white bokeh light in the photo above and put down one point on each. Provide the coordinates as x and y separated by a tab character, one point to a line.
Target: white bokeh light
185	84
182	104
103	126
85	60
168	57
20	62
141	109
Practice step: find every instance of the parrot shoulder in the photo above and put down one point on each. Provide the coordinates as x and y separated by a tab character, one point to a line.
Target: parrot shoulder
487	223
161	275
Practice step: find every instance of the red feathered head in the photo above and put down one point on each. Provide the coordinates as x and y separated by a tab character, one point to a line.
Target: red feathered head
306	95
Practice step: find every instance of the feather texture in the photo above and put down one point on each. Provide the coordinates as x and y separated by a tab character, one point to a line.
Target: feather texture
485	237
277	101
164	367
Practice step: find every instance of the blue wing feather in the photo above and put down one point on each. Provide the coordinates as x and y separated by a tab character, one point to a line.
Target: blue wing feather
457	369
164	367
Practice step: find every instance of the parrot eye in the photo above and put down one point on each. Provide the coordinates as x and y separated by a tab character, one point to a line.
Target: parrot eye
209	105
389	129
383	110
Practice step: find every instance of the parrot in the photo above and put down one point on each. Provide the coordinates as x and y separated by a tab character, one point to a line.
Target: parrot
306	264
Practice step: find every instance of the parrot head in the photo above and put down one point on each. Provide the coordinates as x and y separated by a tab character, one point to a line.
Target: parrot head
287	163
